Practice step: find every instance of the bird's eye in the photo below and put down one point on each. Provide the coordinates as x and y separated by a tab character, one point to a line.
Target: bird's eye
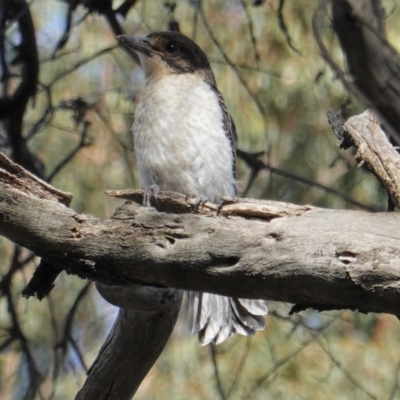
171	48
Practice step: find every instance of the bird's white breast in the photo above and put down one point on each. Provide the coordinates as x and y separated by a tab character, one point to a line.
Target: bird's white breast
180	143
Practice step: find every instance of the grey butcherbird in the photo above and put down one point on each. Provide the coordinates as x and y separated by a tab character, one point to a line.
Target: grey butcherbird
185	142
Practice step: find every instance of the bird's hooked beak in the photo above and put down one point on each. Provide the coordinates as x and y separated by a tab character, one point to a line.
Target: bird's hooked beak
136	44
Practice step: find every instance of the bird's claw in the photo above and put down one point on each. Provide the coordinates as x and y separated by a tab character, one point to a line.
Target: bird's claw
150	193
199	201
225	201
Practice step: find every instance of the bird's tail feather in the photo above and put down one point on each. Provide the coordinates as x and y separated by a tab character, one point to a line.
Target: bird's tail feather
215	318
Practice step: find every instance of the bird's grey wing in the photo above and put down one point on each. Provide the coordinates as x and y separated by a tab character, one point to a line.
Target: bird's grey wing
213	317
229	124
230	129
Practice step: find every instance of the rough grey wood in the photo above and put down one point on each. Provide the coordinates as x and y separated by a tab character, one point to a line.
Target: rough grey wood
375	152
299	254
130	350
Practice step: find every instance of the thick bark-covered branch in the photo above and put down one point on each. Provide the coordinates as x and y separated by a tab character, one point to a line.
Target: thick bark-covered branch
300	254
133	345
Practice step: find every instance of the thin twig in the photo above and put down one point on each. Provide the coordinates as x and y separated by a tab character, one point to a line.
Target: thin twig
281	362
256	100
82	143
81	63
240	367
257	57
255	164
344	371
67	335
213	354
283	27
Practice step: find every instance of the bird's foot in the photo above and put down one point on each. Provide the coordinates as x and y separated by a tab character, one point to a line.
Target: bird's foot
199	201
225	201
150	193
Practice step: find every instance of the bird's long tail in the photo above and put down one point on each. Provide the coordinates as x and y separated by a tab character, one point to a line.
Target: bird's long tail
215	318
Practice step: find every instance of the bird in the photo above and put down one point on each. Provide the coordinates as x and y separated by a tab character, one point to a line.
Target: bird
185	141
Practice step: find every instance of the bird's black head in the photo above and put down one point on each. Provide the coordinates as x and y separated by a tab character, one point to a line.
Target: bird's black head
178	52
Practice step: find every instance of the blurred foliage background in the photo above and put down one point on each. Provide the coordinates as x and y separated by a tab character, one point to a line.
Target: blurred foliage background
278	90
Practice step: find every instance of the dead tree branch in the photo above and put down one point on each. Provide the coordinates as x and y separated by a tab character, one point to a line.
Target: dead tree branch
134	343
374	151
256	249
13	105
372	61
